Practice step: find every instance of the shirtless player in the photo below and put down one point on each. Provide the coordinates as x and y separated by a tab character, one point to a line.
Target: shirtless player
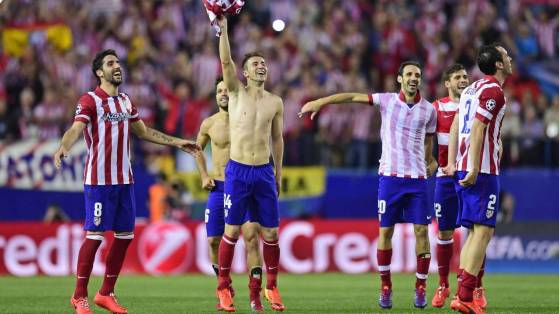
251	185
215	129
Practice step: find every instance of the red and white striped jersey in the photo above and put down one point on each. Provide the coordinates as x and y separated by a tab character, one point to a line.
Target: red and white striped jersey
446	109
402	133
107	136
483	100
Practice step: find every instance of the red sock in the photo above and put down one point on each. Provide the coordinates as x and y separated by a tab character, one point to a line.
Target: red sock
86	257
423	261
225	258
467	286
444	255
480	274
115	258
384	259
271	254
255	282
459	279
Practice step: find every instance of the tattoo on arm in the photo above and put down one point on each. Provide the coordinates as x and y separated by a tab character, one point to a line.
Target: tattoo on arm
158	136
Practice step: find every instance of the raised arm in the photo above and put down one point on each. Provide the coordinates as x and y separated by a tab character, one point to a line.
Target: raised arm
227	65
203	139
148	134
68	140
315	105
452	147
277	144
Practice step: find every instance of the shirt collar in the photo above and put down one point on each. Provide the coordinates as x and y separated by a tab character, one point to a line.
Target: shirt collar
492	79
416	99
101	93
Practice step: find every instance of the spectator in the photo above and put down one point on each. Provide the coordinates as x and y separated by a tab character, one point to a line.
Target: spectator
157	194
551	121
532	138
8	125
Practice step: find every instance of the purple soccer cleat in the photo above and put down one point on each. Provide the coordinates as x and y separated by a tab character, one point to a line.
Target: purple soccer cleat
420	300
385	299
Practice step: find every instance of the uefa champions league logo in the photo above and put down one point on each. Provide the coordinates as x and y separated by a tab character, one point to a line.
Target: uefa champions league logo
490	104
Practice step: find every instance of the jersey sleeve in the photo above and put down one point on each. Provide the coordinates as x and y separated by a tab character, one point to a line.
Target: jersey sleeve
491	100
85	109
378	99
432	122
131	109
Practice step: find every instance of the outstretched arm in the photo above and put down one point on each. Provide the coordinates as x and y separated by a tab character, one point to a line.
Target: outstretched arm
67	142
315	105
203	139
277	144
227	65
154	136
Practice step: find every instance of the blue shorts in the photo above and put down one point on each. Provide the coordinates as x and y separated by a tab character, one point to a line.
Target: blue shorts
110	207
446	203
251	190
215	211
478	203
402	200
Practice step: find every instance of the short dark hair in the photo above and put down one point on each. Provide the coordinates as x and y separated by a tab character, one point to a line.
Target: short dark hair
405	64
451	70
487	56
250	55
97	63
218	80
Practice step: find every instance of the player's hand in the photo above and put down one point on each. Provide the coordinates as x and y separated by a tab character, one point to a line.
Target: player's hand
450	169
60	153
189	147
278	184
208	183
432	167
311	106
470	179
222	22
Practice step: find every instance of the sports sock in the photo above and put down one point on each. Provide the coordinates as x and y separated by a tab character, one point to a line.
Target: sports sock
459	279
444	255
86	257
384	259
115	258
224	259
215	267
423	261
271	252
467	286
255	282
479	283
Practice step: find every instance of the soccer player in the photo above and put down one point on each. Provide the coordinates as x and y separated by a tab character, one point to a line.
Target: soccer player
408	125
255	117
106	118
446	201
215	129
474	143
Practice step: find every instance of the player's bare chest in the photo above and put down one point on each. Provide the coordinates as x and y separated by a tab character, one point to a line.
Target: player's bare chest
219	133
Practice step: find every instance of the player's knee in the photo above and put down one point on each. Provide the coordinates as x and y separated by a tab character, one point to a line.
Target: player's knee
420	231
386	233
232	231
270	234
213	243
446	235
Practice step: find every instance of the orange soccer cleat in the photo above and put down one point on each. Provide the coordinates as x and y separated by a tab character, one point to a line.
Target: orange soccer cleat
109	303
225	300
441	294
479	297
274	298
465	307
81	305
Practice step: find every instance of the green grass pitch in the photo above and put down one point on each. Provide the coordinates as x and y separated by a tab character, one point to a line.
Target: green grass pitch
316	293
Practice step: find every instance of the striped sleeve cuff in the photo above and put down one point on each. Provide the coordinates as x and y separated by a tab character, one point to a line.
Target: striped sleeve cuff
82	118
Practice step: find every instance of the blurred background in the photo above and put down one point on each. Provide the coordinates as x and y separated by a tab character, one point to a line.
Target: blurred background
313	48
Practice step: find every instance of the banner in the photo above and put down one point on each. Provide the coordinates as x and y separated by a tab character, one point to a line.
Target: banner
30	165
349	246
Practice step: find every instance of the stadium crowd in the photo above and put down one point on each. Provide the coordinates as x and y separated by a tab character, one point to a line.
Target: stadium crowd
170	56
